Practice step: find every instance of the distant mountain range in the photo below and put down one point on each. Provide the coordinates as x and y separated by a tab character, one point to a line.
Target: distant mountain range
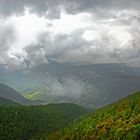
88	85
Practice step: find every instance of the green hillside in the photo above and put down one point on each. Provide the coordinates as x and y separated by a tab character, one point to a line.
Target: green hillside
6	103
38	94
29	122
117	121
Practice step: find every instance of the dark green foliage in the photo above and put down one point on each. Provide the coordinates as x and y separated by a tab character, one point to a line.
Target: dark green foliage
117	121
31	122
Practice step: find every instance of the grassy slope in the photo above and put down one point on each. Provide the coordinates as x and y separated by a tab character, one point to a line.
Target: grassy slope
117	121
6	103
29	122
38	94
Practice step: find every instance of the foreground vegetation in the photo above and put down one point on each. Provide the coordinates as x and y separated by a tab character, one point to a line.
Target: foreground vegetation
117	121
31	122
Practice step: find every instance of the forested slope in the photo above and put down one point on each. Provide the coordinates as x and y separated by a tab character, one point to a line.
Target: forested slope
29	122
117	121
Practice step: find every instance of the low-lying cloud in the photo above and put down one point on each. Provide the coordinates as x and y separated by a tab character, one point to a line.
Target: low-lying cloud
68	89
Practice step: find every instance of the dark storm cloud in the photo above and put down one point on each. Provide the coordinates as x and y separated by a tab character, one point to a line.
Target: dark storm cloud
9	7
120	4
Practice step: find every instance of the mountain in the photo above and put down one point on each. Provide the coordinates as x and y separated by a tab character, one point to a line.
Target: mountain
10	94
88	85
7	103
93	85
117	121
32	122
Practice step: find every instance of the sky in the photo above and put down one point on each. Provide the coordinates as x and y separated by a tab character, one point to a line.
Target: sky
69	31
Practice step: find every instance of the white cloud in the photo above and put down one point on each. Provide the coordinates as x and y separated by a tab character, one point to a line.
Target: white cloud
91	35
28	28
69	23
83	37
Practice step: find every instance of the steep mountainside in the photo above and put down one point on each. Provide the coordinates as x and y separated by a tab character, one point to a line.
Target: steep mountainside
10	94
7	103
31	122
117	121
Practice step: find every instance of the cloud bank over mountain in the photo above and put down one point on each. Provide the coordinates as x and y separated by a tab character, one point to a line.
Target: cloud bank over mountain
76	32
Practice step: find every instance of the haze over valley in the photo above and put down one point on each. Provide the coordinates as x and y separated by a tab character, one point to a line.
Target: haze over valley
87	85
